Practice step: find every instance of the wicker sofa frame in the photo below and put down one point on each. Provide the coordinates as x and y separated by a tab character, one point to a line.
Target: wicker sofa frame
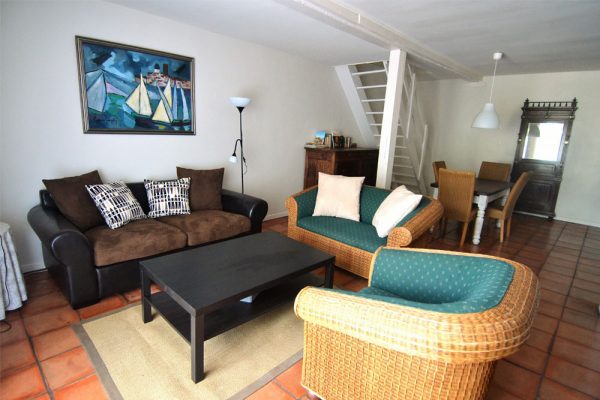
359	348
414	233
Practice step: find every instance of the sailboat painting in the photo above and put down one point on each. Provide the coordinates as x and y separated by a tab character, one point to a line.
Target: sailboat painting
127	89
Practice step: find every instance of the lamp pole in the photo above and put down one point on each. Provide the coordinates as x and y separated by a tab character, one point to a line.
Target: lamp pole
240	103
242	160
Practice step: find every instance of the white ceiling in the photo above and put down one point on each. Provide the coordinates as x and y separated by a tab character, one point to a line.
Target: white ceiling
535	35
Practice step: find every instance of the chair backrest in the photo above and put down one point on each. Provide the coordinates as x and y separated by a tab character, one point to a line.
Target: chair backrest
494	171
436	167
514	194
456	190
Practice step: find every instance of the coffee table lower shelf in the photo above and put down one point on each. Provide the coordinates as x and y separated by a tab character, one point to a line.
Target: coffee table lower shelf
225	318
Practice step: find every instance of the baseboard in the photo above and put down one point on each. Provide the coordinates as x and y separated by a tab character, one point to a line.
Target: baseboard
276	215
32	267
575	221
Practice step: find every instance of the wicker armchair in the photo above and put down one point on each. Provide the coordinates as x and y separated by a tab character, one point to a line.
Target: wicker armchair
431	325
494	171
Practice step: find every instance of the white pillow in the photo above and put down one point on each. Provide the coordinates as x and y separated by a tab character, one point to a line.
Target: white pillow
394	208
338	196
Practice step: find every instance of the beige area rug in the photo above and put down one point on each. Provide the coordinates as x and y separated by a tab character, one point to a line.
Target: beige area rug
151	361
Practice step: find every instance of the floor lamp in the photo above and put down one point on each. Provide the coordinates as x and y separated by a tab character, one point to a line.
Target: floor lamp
240	103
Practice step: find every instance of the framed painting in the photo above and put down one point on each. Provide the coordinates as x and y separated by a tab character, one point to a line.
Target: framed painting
128	89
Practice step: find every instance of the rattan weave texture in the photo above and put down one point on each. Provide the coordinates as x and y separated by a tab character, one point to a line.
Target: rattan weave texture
354	259
365	349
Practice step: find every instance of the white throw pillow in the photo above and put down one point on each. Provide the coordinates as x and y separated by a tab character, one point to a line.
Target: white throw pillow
394	208
338	196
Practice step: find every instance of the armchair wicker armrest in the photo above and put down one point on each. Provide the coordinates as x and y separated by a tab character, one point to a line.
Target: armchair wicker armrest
402	236
435	336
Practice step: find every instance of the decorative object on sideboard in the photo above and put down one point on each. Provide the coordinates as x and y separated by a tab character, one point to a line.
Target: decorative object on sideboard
488	118
129	89
240	103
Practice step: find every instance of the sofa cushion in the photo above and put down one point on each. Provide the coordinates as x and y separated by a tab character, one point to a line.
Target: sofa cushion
338	196
116	203
208	225
168	197
73	201
355	234
205	189
370	200
394	208
138	239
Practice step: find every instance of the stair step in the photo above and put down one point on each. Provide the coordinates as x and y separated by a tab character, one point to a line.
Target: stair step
372	100
371	87
403	175
402	157
375	71
374	113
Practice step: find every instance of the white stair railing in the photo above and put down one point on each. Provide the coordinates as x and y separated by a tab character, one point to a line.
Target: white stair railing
403	144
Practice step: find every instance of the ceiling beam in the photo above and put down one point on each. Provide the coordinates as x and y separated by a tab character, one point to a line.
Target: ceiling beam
351	21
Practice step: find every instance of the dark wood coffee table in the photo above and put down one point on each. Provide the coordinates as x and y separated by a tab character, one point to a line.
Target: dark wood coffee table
202	287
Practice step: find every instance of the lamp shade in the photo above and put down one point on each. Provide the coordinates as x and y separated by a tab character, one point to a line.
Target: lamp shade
487	118
239	101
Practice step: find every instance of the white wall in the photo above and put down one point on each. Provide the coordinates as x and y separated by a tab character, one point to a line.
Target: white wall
40	119
451	106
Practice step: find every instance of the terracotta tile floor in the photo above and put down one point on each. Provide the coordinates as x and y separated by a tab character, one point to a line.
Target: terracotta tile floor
42	358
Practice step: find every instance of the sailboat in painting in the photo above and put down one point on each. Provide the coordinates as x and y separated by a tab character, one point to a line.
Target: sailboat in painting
163	113
96	90
139	102
179	108
172	108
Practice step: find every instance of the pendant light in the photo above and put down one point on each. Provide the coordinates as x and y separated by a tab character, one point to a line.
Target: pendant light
487	118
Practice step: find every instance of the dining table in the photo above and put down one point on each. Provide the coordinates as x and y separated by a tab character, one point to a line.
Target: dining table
486	191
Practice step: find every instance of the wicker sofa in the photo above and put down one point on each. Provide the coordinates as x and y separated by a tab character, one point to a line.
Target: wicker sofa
353	243
431	325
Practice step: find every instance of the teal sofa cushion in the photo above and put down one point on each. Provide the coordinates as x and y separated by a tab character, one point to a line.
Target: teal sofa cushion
370	200
355	234
439	282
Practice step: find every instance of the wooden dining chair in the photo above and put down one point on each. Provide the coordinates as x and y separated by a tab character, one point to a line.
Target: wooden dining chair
504	214
456	190
494	171
436	167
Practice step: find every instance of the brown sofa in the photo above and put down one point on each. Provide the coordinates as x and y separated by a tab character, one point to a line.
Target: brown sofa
93	263
354	243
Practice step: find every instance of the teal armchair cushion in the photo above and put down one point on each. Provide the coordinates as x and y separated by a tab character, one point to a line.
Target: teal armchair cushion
448	283
355	234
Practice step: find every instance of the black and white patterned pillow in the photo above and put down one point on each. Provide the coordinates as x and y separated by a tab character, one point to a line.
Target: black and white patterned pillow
168	197
116	203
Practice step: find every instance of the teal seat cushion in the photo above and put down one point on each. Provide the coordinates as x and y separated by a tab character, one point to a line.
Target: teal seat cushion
355	234
439	282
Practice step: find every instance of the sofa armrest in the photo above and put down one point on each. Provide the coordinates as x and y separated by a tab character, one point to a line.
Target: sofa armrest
402	236
71	248
252	207
455	338
301	204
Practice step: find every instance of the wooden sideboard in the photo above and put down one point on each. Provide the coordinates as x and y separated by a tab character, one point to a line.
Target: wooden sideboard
349	162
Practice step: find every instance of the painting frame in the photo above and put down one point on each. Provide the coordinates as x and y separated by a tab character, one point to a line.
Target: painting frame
118	102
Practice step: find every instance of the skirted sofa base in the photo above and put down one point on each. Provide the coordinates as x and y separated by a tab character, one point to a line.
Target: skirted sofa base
354	243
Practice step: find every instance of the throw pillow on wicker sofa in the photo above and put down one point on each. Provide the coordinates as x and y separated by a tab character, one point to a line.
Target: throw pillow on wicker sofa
354	242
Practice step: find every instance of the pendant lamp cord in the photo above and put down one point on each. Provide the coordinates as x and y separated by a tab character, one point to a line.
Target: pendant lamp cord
493	80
